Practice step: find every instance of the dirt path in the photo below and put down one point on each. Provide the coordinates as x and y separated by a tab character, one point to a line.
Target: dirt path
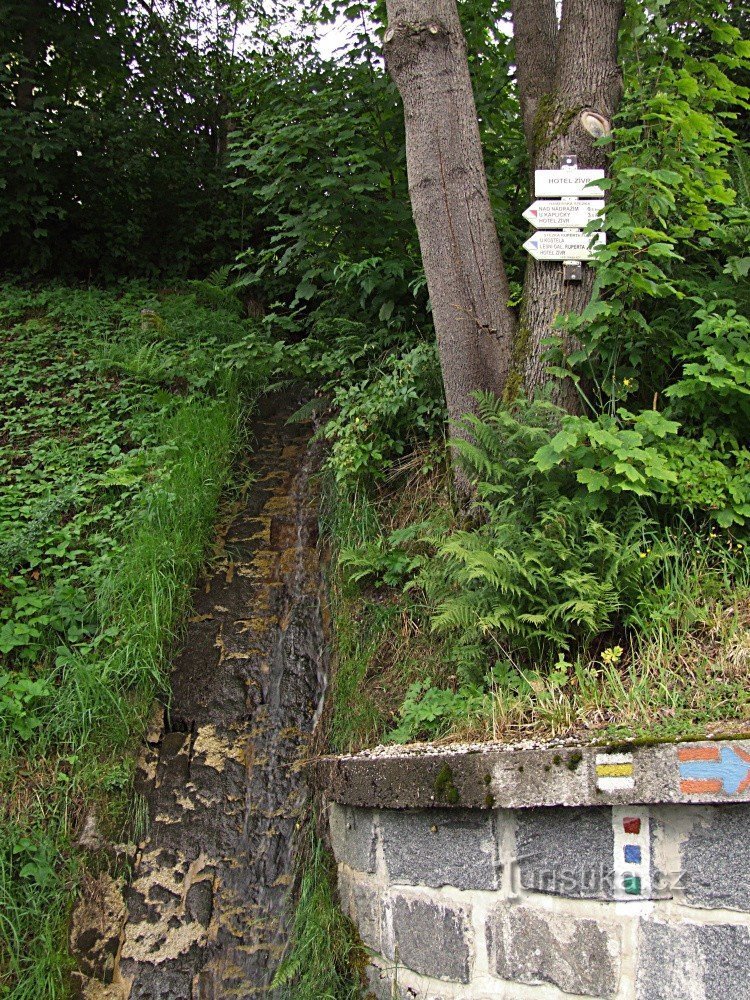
222	778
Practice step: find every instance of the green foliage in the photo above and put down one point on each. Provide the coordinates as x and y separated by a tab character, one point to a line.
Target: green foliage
325	954
432	711
91	476
377	418
545	568
324	153
613	455
713	477
385	561
122	419
19	698
113	137
34	882
668	328
715	378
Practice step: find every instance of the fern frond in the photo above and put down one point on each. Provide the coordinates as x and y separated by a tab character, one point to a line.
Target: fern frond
220	276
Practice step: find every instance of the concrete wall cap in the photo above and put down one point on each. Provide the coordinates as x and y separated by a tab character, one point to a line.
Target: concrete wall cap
530	774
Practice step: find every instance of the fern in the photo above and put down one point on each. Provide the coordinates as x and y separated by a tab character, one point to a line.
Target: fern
545	569
309	409
151	363
215	292
220	276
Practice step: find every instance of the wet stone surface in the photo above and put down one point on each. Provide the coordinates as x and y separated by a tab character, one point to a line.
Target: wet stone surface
222	778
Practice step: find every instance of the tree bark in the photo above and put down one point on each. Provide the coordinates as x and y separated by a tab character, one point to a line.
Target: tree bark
426	57
586	77
535	39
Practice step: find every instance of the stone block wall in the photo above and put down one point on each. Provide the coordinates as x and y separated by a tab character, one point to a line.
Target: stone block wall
622	901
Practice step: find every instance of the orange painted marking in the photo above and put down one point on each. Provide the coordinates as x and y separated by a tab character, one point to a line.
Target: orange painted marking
701	786
698	753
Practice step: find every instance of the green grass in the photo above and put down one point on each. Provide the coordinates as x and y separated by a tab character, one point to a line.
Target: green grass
325	957
143	597
124	414
378	647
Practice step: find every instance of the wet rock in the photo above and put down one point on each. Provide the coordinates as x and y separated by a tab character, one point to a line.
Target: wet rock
96	928
85	988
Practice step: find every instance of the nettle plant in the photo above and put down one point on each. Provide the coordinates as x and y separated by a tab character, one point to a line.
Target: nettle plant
377	418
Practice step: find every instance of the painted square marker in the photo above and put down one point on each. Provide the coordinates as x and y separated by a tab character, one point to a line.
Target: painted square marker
632	885
631	836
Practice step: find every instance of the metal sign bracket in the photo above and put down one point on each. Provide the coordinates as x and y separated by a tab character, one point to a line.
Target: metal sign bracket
572	270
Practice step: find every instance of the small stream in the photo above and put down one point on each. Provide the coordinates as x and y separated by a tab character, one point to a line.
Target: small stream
221	775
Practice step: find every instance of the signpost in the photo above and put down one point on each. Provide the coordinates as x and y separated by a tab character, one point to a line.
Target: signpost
569	182
569	216
549	245
568	213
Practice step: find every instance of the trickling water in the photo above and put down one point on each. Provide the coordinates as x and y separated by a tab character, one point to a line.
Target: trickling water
223	778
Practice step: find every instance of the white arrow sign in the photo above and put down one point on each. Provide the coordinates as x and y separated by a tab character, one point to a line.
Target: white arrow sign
563	214
567	183
563	246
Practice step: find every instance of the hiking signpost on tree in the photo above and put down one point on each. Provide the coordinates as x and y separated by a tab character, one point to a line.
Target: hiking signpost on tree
568	216
567	213
569	244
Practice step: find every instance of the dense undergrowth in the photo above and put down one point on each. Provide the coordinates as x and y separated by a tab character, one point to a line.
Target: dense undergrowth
597	582
123	414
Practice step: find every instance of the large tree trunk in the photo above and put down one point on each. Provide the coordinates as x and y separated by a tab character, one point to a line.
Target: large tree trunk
535	38
426	56
586	78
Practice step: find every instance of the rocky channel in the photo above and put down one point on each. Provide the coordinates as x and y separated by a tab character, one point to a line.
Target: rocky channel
205	914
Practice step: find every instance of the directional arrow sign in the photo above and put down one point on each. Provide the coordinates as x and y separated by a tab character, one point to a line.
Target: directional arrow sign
567	183
563	246
563	214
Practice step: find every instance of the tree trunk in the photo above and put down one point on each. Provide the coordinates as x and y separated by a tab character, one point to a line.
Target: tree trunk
426	57
586	78
535	39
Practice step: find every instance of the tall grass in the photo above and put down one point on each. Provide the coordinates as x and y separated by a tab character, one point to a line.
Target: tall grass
325	955
34	902
144	596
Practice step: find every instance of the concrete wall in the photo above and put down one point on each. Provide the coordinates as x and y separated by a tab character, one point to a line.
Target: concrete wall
636	902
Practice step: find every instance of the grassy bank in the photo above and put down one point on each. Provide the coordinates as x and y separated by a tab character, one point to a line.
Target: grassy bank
325	957
668	659
123	416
